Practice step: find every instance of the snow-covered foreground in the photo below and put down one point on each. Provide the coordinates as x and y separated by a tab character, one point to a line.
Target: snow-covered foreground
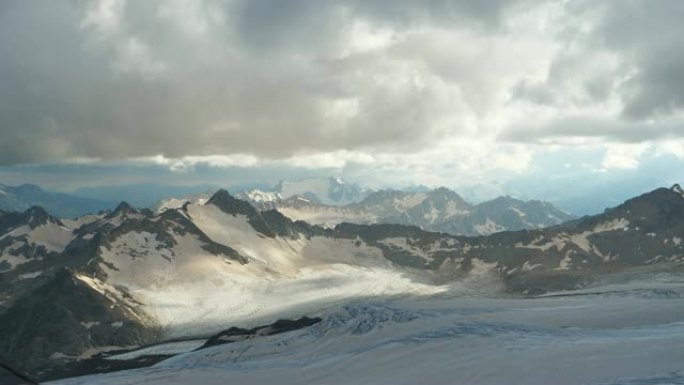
632	337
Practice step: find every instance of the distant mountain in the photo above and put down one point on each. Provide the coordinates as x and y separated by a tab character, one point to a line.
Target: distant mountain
589	197
177	203
328	191
324	191
127	277
439	210
20	198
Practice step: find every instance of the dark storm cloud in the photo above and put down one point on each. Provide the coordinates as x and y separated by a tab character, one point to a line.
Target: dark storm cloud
649	35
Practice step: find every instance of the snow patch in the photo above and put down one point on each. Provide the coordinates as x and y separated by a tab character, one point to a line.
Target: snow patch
161	349
30	275
263	196
527	266
89	325
489	227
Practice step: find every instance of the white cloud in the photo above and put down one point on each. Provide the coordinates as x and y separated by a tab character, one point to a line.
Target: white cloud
134	57
623	156
103	16
187	163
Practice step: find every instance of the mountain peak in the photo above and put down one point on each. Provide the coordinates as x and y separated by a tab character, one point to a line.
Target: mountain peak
329	191
221	194
37	211
678	189
36	216
124	208
653	204
231	205
446	193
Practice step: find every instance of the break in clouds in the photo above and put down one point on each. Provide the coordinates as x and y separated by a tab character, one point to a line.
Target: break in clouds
116	79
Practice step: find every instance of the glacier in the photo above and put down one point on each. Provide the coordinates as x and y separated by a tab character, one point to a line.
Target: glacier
605	337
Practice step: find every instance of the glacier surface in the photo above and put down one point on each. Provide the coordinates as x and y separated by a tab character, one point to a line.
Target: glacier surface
613	337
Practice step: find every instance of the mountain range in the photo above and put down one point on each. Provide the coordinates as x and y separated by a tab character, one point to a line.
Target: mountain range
20	198
320	201
327	191
73	289
440	210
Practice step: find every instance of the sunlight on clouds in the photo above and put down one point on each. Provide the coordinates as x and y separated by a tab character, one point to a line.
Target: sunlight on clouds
624	156
187	163
331	160
103	16
361	36
135	57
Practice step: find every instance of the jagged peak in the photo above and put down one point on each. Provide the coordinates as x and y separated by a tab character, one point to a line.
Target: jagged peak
446	192
220	195
37	216
231	205
443	189
657	196
506	199
124	208
37	211
678	189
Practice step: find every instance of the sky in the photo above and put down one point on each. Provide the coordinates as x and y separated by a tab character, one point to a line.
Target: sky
539	99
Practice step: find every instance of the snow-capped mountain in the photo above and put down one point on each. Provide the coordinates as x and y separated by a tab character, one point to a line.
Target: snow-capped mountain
177	203
20	198
129	277
439	210
327	191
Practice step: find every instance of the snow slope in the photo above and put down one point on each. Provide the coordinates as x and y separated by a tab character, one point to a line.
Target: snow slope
191	291
438	340
176	203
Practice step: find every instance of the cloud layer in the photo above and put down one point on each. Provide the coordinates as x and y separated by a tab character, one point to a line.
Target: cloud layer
310	82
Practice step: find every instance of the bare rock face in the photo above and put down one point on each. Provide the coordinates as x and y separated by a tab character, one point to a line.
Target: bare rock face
66	318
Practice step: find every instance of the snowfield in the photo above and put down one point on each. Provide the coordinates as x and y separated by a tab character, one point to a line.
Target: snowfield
191	292
605	338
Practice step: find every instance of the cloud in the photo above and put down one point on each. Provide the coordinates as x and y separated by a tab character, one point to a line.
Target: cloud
237	82
594	127
623	156
647	35
616	77
116	79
